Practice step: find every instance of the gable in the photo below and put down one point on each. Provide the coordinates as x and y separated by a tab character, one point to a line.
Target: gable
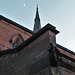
7	29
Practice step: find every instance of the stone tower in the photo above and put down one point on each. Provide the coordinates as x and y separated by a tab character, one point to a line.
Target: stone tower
37	24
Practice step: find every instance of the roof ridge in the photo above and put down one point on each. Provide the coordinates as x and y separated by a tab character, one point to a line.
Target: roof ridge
66	49
16	24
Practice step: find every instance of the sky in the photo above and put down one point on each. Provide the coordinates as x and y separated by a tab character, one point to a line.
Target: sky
59	13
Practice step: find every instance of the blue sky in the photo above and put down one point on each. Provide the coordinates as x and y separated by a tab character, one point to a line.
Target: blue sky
60	13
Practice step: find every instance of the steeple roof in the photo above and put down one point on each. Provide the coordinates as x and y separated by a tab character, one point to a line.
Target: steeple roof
37	14
37	24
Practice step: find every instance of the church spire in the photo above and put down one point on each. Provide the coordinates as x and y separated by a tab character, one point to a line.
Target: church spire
37	25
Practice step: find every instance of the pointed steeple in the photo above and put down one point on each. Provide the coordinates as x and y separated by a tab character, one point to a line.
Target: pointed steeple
37	24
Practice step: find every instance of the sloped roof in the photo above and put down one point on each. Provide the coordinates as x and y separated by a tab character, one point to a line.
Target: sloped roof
65	49
67	53
16	24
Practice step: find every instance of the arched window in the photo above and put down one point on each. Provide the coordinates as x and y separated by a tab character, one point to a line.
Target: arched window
16	40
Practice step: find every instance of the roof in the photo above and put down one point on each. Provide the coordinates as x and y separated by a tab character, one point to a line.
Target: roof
16	24
37	24
71	55
65	49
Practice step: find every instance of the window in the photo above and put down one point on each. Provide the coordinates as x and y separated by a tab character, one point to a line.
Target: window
16	40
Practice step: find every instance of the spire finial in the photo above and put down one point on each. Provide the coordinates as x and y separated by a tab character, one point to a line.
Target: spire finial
37	6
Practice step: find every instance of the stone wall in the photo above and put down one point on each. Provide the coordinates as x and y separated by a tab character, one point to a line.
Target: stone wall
33	59
7	30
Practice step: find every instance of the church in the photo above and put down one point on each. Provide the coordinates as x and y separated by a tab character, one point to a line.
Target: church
26	52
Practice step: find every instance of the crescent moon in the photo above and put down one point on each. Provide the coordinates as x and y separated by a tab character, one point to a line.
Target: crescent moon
24	4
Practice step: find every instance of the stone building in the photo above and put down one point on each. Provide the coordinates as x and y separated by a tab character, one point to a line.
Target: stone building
35	52
11	32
